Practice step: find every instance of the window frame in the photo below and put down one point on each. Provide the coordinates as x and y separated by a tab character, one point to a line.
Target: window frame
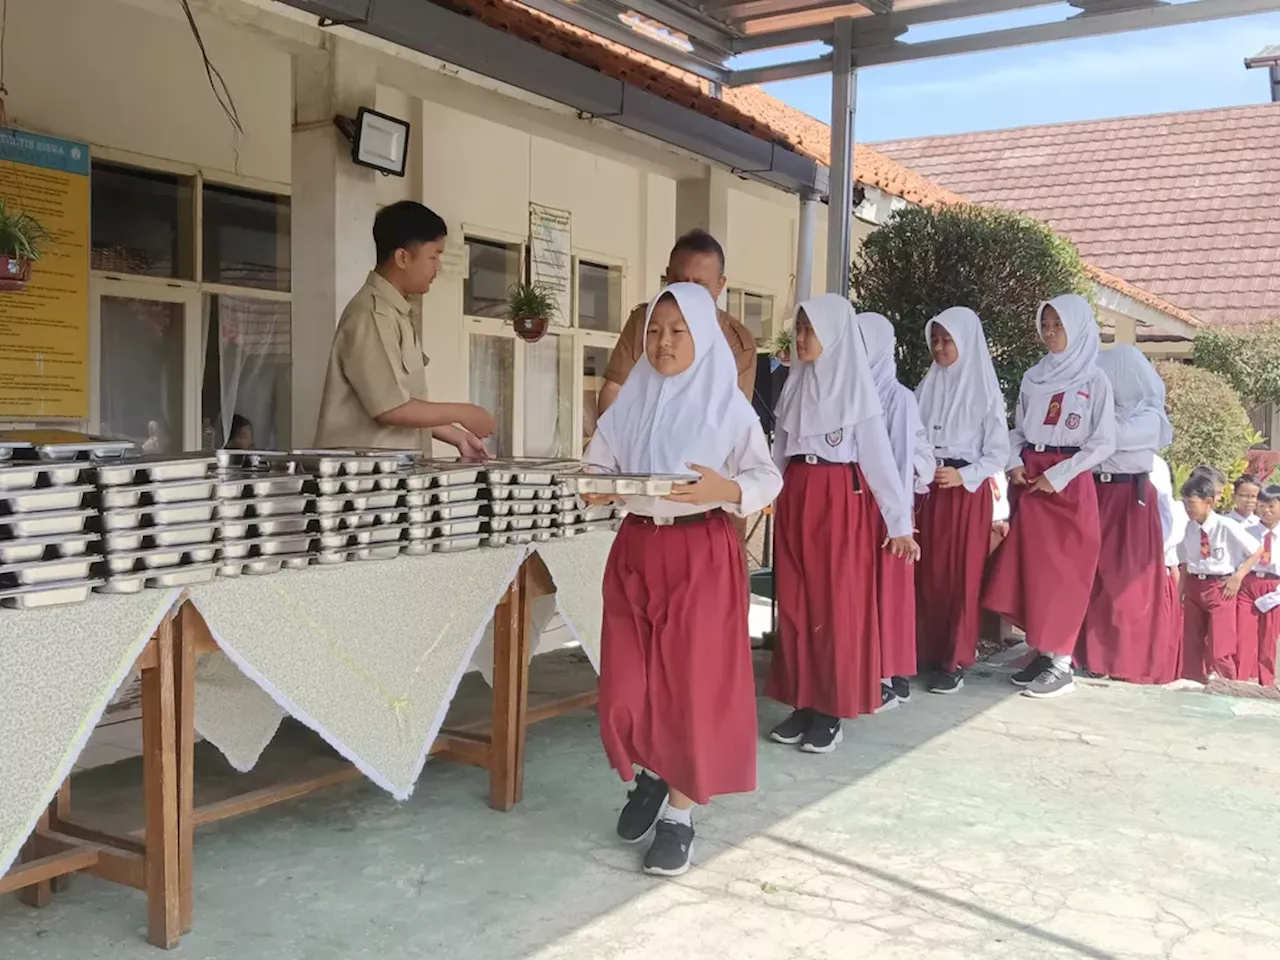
735	304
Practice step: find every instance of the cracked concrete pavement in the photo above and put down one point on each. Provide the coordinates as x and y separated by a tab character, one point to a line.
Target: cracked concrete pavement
1117	823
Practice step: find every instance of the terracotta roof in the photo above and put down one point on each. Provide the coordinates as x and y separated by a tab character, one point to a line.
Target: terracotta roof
1185	205
749	109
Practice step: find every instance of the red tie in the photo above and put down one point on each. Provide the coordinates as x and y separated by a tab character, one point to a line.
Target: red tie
1205	550
1266	549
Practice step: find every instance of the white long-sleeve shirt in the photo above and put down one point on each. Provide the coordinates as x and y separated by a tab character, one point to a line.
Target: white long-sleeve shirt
1229	546
748	464
916	465
1136	445
1086	418
987	454
866	444
1173	515
1270	562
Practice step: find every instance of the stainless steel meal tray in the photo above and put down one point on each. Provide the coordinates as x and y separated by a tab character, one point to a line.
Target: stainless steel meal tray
179	534
502	508
253	485
504	524
265	566
386	499
56	523
386	533
624	484
336	486
457	511
41	548
332	556
265	547
181	491
156	558
360	461
34	596
200	511
122	583
64	569
458	493
456	544
253	460
236	529
336	540
182	576
415	548
279	526
602	512
26	476
367	518
576	529
154	469
455	528
63	445
288	505
44	499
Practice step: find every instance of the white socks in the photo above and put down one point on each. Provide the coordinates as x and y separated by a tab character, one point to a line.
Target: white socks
678	816
1062	661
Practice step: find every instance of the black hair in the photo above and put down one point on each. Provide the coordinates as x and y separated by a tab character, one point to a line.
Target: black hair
1200	486
1210	471
1269	494
699	241
405	225
1246	478
238	421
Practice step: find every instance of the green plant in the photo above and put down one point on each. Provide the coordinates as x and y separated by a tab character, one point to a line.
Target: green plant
1248	360
997	263
21	235
783	341
531	300
1210	424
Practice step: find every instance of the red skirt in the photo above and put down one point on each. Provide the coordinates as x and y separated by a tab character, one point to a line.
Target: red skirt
827	657
1129	629
955	538
1208	630
1042	575
677	691
1258	659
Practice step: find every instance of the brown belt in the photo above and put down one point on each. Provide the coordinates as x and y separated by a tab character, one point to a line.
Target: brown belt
675	521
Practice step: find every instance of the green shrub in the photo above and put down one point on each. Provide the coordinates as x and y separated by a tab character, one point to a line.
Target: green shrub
999	264
1248	360
1210	424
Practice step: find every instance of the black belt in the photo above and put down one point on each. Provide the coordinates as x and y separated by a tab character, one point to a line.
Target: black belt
952	463
1212	576
1138	479
1044	448
679	521
1266	576
814	460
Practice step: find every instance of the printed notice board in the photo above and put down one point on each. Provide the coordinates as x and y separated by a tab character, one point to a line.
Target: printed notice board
44	330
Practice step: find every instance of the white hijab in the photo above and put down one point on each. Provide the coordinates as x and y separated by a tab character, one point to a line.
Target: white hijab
900	417
661	424
1138	389
956	400
836	390
1078	364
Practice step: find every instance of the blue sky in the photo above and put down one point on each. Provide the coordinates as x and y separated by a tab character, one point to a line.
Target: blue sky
1155	71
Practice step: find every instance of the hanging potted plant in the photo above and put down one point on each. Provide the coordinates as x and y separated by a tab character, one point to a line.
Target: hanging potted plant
783	341
531	308
23	239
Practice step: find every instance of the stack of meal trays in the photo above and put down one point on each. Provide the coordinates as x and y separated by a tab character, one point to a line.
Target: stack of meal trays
359	501
587	519
263	517
47	552
156	517
445	514
524	500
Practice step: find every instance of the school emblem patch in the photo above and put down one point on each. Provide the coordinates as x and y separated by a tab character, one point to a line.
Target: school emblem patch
1073	421
834	437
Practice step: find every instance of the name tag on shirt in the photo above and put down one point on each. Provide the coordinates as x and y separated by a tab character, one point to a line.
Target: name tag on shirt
1054	413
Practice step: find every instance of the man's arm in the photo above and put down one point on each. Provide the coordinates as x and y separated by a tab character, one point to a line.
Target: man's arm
426	415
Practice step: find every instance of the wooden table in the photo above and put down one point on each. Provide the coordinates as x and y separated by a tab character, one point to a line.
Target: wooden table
59	846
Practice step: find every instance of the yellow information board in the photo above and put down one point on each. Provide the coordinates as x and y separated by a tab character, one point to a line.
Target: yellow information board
44	330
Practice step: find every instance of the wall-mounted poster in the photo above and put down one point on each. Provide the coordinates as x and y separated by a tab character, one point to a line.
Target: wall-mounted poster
44	330
551	256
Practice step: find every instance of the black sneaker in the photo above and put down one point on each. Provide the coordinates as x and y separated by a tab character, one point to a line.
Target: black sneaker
793	729
671	851
823	734
902	689
645	804
1054	682
888	699
947	683
1032	670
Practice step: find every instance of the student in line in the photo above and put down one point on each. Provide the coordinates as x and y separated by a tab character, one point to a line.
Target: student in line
1129	629
1173	526
913	460
677	694
1216	477
1258	606
963	412
1244	500
1042	575
841	478
1217	553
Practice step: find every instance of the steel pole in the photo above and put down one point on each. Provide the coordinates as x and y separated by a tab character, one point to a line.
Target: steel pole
844	95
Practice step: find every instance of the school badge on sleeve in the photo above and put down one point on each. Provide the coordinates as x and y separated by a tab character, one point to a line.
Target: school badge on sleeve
834	437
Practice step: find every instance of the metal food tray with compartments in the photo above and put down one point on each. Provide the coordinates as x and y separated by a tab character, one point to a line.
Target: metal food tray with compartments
125	496
46	548
64	445
31	572
34	474
624	484
134	471
44	499
33	596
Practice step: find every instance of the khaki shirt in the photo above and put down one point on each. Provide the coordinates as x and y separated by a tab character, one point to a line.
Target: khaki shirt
375	365
631	345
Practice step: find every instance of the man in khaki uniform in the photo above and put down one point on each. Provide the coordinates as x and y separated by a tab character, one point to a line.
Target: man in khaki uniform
375	388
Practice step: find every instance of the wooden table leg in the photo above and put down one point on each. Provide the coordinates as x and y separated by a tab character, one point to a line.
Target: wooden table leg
160	792
186	624
504	750
59	811
37	894
523	649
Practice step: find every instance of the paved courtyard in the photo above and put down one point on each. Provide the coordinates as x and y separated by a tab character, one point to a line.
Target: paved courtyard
1118	823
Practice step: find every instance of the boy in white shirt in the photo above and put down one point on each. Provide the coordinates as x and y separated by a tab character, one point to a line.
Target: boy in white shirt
1244	500
1216	554
1256	610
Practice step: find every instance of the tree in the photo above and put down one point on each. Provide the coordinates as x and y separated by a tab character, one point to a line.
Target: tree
1001	265
1248	360
1210	424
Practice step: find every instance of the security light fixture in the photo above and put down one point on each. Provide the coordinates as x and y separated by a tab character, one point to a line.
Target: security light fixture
378	141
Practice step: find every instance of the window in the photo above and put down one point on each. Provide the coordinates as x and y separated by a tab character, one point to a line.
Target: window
599	296
492	269
493	360
594	362
755	310
184	344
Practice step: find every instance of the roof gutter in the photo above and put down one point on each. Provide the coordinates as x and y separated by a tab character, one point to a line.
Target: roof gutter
432	30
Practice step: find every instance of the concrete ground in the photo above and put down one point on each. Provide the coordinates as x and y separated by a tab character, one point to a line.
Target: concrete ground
1117	823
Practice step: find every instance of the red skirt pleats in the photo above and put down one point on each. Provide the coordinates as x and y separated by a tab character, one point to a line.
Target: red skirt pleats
955	537
1129	632
1172	668
1208	630
1042	575
677	692
896	607
827	656
1256	660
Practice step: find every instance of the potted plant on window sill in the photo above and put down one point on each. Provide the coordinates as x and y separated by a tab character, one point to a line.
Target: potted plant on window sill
531	308
22	241
783	341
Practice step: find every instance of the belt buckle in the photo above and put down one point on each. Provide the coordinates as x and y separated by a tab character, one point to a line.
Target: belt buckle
1104	477
1039	447
664	521
810	459
1202	576
941	462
